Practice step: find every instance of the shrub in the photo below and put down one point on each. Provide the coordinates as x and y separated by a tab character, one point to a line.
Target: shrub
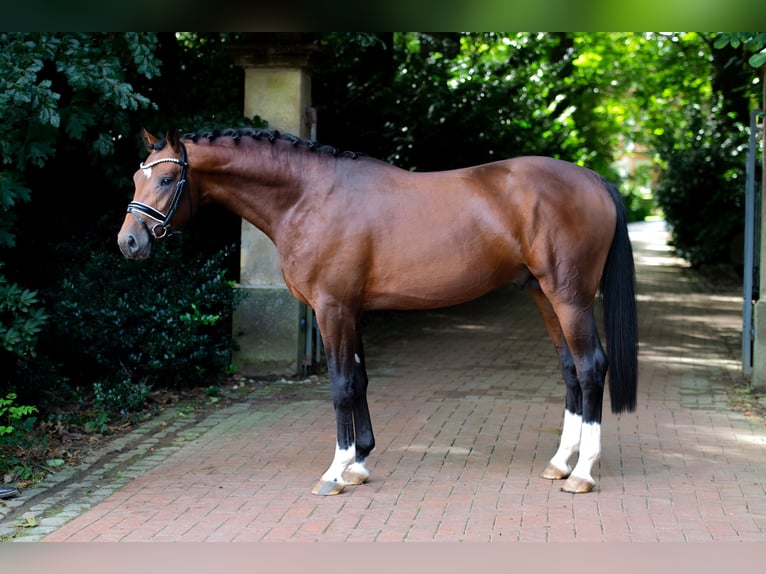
21	320
12	416
16	424
701	191
122	396
129	325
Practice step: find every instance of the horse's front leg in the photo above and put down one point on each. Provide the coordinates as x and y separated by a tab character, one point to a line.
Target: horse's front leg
348	387
356	472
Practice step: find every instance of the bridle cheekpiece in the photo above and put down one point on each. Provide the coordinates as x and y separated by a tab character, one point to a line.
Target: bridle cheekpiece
162	228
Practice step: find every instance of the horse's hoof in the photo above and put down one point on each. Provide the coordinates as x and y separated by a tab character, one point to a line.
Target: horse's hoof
578	485
327	488
553	472
356	474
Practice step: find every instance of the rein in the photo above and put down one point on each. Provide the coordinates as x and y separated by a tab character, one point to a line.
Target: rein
162	228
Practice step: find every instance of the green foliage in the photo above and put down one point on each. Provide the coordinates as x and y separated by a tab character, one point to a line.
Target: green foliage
163	321
16	425
21	320
445	100
754	41
72	85
699	135
54	89
12	192
12	417
469	98
203	88
701	192
121	397
98	424
637	195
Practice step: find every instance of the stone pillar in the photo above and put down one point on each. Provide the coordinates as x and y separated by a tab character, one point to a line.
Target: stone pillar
758	379
269	323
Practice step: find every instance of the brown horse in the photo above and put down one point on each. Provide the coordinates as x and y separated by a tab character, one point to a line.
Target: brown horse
356	234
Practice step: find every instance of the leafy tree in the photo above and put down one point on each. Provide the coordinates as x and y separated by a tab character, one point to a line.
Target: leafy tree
88	94
58	88
55	89
687	103
438	101
202	89
701	189
701	148
752	41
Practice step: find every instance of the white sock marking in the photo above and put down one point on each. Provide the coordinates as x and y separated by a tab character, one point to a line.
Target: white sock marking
570	441
590	451
343	458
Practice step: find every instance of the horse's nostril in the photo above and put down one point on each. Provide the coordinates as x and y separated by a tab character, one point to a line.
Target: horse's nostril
130	246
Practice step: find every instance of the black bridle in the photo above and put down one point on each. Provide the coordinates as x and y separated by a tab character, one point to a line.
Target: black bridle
162	227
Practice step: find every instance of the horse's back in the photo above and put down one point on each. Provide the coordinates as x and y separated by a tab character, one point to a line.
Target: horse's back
399	239
446	237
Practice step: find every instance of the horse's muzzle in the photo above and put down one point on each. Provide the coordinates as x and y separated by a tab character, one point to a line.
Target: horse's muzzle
134	245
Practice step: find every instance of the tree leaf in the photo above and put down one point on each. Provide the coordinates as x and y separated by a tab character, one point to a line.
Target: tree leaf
758	60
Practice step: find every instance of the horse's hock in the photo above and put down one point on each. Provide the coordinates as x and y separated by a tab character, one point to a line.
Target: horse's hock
269	324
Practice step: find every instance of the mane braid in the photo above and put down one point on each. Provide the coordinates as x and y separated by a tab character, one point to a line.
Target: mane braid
271	136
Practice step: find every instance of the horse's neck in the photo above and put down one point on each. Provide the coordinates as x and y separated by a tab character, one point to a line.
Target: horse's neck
259	184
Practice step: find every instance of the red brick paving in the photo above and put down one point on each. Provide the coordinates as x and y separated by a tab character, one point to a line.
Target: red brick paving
467	405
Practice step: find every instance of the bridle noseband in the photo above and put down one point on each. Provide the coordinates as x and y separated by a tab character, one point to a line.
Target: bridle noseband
162	228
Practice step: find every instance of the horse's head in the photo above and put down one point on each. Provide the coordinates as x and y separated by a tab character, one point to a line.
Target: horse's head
160	183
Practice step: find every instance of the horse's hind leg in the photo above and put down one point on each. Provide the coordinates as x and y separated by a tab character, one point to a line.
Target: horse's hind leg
583	371
560	465
590	363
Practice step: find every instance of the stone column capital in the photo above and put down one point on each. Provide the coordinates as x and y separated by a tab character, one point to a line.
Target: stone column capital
276	50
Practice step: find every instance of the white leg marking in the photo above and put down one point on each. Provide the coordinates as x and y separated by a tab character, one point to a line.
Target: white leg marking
570	441
590	451
343	458
357	472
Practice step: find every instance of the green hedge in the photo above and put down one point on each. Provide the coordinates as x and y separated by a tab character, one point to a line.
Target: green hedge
163	321
701	191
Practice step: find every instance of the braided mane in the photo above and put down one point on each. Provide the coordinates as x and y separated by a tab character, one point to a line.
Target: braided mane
271	136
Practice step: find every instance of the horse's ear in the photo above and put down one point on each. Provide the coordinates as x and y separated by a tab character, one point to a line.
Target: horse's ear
149	140
171	136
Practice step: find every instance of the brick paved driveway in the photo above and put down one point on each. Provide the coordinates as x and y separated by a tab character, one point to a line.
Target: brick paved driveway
467	405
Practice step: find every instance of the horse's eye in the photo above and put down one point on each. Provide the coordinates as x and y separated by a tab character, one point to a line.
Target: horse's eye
166	181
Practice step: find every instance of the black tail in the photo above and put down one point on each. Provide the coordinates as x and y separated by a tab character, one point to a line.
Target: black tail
618	290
